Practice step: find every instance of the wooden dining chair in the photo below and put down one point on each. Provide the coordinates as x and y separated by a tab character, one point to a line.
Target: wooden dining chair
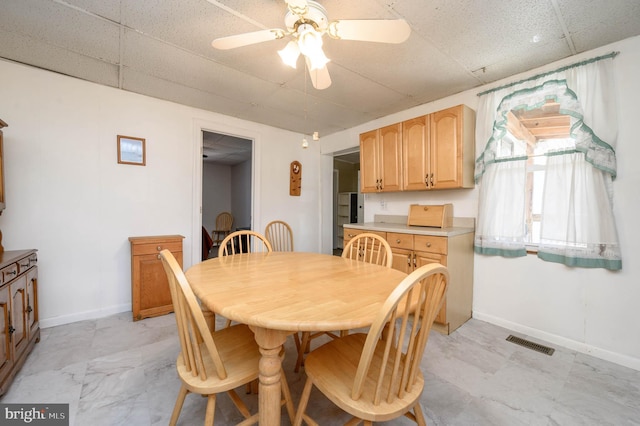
369	247
376	379
279	235
210	363
245	241
365	247
224	221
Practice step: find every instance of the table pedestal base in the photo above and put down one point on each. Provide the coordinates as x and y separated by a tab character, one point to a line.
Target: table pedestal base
270	390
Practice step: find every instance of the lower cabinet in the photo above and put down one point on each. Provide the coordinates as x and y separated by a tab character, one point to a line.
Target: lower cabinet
150	294
411	251
19	325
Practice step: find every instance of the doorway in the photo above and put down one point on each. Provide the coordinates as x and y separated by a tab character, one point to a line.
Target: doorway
347	199
226	180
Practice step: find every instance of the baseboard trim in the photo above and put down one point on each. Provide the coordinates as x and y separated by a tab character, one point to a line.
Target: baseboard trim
82	316
617	358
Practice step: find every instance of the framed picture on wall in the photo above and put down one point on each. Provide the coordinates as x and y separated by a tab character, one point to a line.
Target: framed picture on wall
131	150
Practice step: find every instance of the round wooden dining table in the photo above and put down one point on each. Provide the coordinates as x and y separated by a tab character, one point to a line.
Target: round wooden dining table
280	293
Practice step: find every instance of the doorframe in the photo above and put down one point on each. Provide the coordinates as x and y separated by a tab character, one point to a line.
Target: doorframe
200	125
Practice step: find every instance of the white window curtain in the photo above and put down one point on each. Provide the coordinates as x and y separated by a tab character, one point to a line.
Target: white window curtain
577	222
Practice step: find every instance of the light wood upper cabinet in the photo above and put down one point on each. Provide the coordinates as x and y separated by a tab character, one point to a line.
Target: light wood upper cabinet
416	155
438	150
381	159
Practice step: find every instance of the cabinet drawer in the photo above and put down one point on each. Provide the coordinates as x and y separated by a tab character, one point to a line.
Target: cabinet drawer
24	264
399	240
431	244
151	248
9	272
349	233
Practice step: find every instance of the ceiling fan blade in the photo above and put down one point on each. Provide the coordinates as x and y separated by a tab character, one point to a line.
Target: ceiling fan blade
320	78
246	39
378	30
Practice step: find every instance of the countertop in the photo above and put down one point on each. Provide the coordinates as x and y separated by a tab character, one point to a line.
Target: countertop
405	229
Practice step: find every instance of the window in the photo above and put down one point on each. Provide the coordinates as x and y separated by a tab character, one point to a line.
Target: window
546	171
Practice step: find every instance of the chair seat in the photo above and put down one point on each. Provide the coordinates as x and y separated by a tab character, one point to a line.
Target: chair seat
333	366
239	352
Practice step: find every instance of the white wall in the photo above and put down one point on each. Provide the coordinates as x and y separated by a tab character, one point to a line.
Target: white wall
216	193
241	195
67	196
589	310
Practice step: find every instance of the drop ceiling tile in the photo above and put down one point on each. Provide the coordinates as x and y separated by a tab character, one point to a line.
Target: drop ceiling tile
592	14
73	30
148	55
145	84
454	45
534	58
107	9
479	33
193	24
35	52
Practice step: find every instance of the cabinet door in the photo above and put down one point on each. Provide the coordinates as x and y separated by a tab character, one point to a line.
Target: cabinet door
446	148
32	301
415	153
19	315
390	158
5	337
369	162
153	294
402	260
422	258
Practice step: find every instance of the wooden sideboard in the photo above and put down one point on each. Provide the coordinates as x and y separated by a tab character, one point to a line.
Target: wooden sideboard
150	295
413	247
19	325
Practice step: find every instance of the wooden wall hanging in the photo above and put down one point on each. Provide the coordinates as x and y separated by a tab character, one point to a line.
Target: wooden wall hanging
295	179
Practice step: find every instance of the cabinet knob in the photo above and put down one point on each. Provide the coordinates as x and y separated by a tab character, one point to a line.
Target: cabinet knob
29	309
428	244
398	241
159	248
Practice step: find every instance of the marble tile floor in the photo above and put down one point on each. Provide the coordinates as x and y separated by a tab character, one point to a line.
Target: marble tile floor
113	371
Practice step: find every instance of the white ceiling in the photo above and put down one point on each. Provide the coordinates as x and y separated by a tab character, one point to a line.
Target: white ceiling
162	48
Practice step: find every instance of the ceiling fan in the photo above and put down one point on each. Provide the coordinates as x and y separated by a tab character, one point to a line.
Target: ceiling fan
306	22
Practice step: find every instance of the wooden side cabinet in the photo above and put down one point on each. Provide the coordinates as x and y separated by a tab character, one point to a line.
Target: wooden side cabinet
19	325
150	295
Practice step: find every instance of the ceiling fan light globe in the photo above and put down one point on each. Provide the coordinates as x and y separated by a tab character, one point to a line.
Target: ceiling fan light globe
309	40
290	54
318	60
